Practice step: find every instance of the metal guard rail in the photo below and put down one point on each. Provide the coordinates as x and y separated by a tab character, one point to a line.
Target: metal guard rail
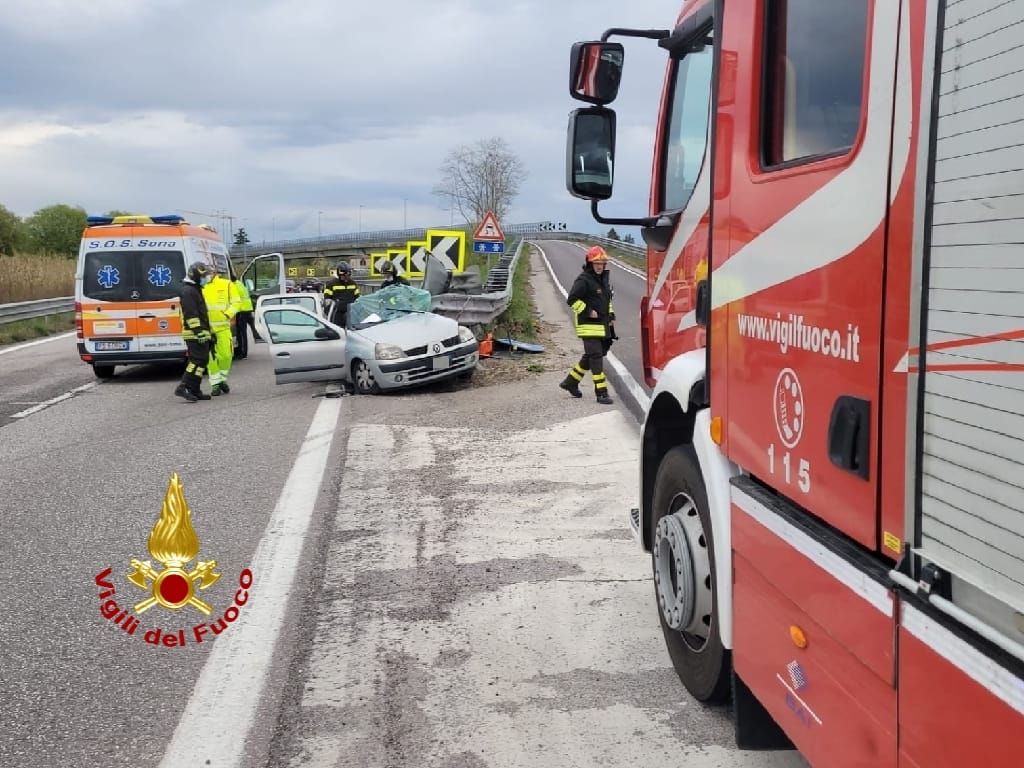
29	310
477	309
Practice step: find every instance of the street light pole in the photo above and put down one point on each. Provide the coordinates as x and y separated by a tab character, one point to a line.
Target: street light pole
319	233
360	219
405	213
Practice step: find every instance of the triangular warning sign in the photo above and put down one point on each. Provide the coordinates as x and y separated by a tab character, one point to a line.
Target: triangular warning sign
489	229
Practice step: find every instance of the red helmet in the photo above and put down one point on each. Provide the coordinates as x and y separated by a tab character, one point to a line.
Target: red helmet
596	253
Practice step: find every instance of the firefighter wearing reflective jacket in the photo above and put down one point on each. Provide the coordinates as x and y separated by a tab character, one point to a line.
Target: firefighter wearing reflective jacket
594	316
195	330
340	291
223	302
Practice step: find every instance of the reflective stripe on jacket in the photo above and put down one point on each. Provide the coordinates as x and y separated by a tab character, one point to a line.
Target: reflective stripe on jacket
222	302
591	292
243	292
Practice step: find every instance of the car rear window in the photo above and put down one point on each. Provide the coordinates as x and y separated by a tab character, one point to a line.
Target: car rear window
133	275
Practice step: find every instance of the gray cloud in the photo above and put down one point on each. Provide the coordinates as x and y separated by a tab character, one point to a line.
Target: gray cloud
275	110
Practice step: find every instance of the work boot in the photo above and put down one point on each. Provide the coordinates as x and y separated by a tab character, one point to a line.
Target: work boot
189	396
603	399
215	390
200	395
224	388
570	385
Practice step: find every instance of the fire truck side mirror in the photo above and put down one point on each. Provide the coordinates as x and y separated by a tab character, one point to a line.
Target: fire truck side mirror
595	71
590	153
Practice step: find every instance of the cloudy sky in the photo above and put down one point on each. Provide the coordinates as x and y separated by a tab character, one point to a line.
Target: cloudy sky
274	110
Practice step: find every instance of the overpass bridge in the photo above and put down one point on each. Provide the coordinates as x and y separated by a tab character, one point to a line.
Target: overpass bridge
359	245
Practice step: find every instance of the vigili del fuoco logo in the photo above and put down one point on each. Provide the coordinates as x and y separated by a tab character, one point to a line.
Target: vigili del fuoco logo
174	544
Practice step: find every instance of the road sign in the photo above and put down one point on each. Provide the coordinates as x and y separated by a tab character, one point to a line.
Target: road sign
489	229
483	246
449	246
417	260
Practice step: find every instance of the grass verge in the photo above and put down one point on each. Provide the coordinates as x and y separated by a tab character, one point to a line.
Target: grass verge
637	262
29	276
519	320
26	330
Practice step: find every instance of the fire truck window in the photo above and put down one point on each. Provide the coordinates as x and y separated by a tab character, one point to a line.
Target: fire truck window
687	133
813	78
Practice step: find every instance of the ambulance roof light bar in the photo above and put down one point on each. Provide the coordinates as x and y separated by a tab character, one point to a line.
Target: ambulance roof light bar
170	219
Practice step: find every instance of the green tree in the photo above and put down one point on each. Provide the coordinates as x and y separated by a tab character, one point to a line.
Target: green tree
57	229
12	232
117	212
628	238
612	234
242	237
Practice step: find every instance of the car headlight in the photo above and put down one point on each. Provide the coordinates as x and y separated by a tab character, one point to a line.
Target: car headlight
465	334
387	352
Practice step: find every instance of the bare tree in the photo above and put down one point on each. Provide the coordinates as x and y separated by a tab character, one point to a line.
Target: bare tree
481	177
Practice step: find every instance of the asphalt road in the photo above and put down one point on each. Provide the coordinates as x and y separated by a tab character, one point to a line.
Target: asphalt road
441	578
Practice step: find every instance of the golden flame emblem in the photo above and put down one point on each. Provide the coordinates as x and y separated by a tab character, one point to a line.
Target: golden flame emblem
174	543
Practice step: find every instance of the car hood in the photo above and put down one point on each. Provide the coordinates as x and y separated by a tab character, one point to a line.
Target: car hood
412	330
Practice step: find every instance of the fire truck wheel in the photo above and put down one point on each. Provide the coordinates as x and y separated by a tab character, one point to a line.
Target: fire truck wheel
683	563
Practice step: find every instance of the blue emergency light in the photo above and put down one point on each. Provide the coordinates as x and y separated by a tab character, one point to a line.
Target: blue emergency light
171	219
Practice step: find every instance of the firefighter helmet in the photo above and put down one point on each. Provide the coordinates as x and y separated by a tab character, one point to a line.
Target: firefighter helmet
596	253
342	268
198	271
387	268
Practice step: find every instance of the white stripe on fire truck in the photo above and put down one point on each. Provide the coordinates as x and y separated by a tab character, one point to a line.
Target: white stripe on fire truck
836	566
783	251
976	665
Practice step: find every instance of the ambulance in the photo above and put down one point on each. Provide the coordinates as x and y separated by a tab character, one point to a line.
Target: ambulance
127	283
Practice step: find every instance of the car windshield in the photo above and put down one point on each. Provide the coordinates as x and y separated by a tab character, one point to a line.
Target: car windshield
387	304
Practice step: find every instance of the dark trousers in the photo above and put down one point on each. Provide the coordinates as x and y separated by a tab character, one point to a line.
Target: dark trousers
243	322
592	360
195	368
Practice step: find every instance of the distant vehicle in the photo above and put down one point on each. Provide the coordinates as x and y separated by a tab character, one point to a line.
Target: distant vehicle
393	341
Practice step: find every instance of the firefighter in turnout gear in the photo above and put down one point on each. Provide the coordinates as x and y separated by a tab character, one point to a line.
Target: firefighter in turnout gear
391	276
594	318
195	330
223	302
340	291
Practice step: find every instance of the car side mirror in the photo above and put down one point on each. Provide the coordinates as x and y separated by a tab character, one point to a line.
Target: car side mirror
590	153
595	71
326	333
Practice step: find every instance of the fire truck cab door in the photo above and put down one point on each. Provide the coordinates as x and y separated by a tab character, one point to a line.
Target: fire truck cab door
798	290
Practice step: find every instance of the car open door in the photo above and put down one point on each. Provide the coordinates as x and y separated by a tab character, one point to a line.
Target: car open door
303	346
264	275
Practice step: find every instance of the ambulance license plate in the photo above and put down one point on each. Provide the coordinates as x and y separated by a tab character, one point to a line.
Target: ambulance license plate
111	346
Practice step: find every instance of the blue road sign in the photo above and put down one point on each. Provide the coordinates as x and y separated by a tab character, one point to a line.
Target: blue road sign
485	246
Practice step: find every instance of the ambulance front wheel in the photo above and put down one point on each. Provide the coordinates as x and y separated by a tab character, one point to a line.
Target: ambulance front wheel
103	371
683	565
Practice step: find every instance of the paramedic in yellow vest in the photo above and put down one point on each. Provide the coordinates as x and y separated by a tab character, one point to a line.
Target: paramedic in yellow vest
243	321
222	302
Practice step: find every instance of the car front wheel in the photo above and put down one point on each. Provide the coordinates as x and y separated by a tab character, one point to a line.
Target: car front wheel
362	378
683	561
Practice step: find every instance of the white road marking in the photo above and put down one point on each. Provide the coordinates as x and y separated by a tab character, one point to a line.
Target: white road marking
627	378
220	713
37	341
621	265
53	401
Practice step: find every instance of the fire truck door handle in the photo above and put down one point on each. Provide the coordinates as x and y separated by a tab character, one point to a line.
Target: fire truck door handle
849	445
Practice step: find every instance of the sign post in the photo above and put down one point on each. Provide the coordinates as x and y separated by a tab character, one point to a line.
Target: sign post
489	238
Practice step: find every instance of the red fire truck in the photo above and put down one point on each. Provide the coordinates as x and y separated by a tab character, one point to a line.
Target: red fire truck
831	484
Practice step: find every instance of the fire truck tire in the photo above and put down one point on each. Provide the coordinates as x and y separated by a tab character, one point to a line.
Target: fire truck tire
683	566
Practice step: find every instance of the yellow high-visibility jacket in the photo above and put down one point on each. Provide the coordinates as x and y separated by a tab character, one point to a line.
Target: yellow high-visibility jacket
223	302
